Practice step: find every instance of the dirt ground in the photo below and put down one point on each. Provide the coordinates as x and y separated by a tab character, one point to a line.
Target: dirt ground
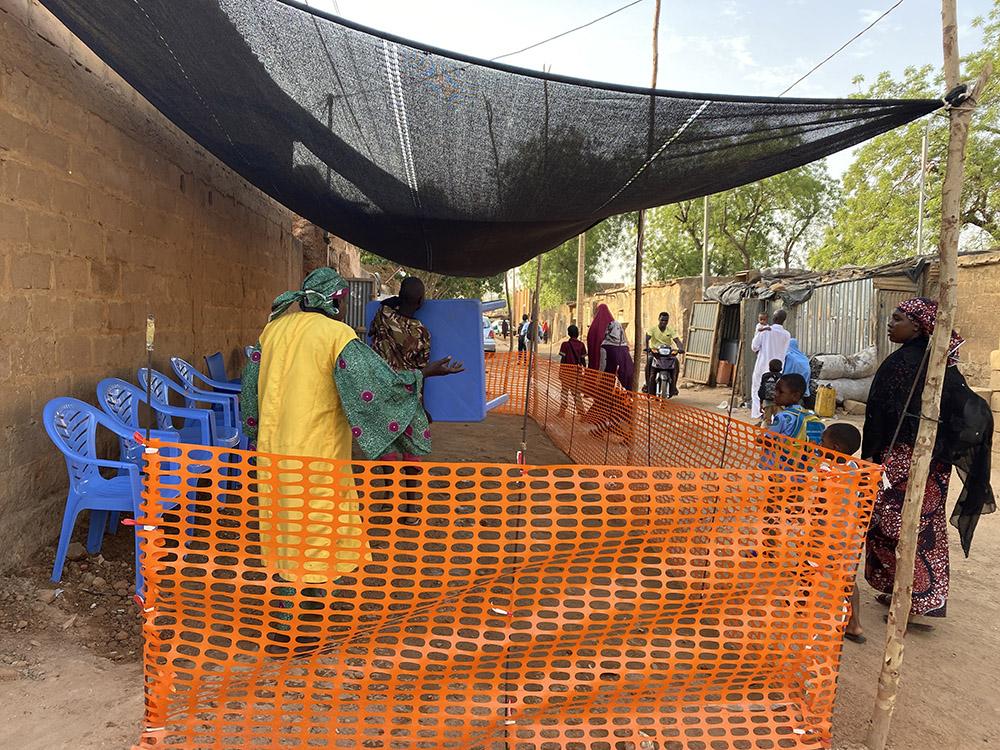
70	674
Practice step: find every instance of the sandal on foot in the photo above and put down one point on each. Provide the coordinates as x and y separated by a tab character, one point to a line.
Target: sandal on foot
856	637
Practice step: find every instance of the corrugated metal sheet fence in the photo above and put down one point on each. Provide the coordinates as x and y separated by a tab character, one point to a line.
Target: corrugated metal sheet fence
836	319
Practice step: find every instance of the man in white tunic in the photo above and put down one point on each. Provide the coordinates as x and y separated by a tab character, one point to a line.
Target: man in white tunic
770	342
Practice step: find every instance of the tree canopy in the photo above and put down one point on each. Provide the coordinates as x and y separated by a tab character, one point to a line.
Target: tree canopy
876	221
765	223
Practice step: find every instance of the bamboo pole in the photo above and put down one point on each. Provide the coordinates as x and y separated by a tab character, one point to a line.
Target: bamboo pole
951	197
637	346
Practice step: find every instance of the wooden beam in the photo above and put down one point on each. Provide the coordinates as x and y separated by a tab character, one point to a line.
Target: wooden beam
951	203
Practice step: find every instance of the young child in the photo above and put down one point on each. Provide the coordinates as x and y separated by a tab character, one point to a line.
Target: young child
766	390
571	352
845	438
793	420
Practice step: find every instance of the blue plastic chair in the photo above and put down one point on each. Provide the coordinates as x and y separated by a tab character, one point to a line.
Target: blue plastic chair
226	402
72	426
190	377
217	369
121	400
203	427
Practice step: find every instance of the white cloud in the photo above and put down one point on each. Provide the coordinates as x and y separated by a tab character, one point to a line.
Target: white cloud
728	50
868	15
731	9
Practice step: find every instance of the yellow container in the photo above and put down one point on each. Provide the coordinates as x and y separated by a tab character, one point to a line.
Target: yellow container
826	401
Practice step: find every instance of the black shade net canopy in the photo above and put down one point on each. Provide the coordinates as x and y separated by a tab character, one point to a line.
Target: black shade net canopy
437	160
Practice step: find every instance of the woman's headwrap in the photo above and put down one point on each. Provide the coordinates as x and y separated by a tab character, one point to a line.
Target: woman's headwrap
923	312
323	289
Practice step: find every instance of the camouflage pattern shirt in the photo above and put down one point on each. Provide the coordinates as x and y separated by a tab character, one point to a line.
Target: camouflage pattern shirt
404	343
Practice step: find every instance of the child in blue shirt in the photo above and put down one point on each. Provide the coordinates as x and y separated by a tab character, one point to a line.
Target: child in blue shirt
788	392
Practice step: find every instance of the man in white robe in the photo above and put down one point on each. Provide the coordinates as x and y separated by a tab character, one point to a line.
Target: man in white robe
770	342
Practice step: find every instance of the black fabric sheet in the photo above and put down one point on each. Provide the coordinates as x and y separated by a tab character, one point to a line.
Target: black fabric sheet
436	160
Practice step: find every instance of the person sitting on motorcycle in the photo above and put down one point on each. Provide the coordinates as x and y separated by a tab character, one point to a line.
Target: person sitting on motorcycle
658	336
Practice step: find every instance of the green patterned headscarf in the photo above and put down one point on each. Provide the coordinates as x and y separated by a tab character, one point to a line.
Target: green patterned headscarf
323	289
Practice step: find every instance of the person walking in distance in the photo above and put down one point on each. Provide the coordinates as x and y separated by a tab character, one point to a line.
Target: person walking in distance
769	342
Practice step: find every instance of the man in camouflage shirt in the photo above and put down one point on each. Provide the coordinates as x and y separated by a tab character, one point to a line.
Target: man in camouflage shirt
396	336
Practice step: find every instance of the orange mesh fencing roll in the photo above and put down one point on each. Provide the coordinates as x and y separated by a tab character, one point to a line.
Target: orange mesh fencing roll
501	606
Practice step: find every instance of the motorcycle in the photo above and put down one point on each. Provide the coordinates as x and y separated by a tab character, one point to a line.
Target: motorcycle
665	370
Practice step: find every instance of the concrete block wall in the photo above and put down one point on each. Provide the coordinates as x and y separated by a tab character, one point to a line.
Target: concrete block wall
107	213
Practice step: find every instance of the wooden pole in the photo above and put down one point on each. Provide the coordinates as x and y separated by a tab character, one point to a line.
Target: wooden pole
581	258
923	188
704	249
510	312
532	354
951	199
637	346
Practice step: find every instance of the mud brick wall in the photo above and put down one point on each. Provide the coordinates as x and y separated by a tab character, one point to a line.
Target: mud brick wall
978	315
107	213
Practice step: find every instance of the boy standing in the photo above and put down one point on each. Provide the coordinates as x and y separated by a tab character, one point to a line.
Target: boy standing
572	352
765	392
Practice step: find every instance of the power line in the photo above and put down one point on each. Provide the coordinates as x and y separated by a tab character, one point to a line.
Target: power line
570	31
842	47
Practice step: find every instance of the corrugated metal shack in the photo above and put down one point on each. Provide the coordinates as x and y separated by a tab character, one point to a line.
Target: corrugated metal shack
832	312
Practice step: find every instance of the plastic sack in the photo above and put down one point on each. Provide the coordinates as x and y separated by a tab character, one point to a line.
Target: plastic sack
854	389
854	366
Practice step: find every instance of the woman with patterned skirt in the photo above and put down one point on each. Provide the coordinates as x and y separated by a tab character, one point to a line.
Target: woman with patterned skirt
891	423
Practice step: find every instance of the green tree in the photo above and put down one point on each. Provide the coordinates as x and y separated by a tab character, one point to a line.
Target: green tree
765	223
877	220
606	243
437	286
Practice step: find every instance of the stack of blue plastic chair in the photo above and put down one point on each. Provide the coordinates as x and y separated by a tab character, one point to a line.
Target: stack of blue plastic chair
222	432
223	396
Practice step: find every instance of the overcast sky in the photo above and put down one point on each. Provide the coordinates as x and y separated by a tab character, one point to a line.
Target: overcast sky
752	47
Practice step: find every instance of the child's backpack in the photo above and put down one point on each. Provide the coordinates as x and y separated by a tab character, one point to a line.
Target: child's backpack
809	426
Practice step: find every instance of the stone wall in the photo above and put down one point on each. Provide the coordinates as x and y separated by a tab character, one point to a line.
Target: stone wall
107	213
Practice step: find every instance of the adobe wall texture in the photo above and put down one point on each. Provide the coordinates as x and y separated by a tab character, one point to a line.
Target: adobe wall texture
978	316
107	213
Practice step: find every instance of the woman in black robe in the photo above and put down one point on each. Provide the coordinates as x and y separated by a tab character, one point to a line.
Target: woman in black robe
964	442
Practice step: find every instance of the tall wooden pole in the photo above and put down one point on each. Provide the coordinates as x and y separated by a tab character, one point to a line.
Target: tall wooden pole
637	333
510	312
581	258
923	188
533	329
951	198
704	249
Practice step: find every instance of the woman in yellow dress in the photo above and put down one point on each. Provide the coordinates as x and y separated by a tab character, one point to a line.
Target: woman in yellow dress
310	387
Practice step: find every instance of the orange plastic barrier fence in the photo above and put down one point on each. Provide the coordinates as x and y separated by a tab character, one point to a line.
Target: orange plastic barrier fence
591	418
303	603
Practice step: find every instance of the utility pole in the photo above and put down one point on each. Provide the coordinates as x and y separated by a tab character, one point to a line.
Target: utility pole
923	185
637	333
959	117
